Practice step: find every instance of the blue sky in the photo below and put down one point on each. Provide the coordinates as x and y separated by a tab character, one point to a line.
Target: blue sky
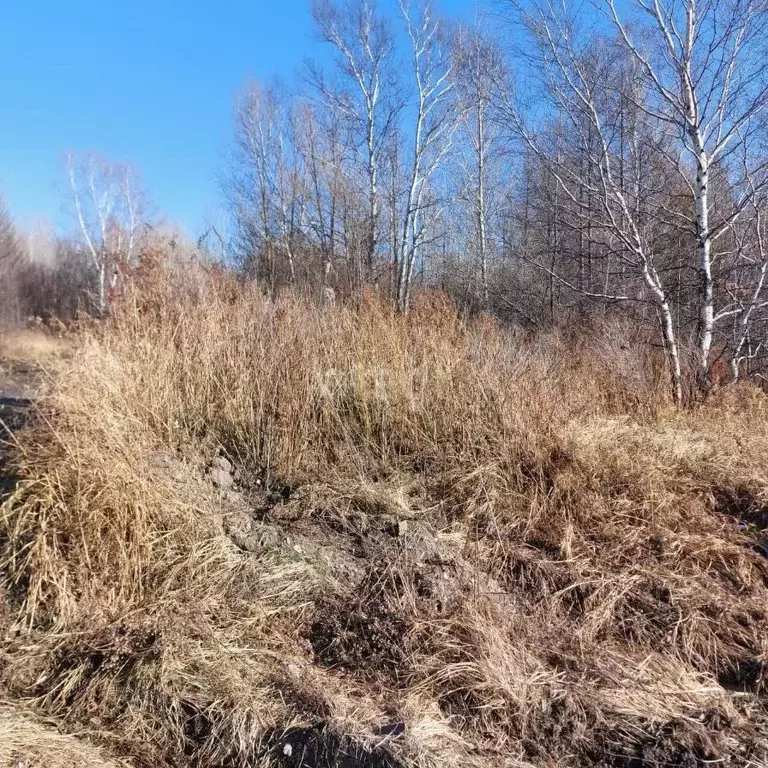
147	82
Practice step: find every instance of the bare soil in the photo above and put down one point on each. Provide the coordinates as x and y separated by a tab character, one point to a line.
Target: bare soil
17	387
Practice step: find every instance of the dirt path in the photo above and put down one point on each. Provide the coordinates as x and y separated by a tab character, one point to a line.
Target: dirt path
19	384
17	390
22	355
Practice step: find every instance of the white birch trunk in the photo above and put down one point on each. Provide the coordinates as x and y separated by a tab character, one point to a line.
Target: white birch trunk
704	246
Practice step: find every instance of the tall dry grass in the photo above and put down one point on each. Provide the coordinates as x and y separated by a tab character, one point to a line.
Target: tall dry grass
520	551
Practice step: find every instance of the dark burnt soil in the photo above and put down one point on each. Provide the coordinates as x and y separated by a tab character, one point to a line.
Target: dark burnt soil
744	676
318	748
744	508
17	382
743	505
674	745
364	637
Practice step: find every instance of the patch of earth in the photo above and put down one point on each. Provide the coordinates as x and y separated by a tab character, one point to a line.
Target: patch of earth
673	746
320	748
362	636
743	505
18	388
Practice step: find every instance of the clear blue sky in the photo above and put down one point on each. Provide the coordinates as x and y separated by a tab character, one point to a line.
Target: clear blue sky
148	82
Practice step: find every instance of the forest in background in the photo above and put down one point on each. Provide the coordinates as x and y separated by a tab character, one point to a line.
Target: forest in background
549	165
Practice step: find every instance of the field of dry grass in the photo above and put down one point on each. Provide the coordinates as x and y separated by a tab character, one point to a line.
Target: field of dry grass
266	534
29	345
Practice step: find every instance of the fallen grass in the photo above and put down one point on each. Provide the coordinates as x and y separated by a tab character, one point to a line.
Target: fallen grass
441	544
28	742
29	345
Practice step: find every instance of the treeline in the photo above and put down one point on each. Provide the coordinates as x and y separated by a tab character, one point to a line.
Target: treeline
45	275
545	165
584	158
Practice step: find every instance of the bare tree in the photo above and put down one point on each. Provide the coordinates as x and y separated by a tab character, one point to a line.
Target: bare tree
577	84
106	201
365	97
265	183
704	65
747	286
11	266
323	155
435	119
479	70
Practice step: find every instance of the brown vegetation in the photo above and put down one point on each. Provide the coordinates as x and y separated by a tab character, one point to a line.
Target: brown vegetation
27	742
254	533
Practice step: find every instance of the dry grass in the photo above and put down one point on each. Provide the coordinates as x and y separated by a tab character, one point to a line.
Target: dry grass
26	742
523	553
30	345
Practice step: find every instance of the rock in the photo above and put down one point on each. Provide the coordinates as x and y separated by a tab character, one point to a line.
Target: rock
250	536
269	536
221	473
402	527
222	463
221	478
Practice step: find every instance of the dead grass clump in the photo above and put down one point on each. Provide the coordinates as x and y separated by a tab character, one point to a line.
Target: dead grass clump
27	741
433	544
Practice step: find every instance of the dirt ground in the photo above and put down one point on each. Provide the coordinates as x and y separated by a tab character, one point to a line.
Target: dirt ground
24	358
24	355
17	386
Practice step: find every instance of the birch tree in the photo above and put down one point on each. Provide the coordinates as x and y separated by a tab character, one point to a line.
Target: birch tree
704	64
106	202
364	46
324	156
11	266
265	186
576	80
434	124
479	70
746	288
